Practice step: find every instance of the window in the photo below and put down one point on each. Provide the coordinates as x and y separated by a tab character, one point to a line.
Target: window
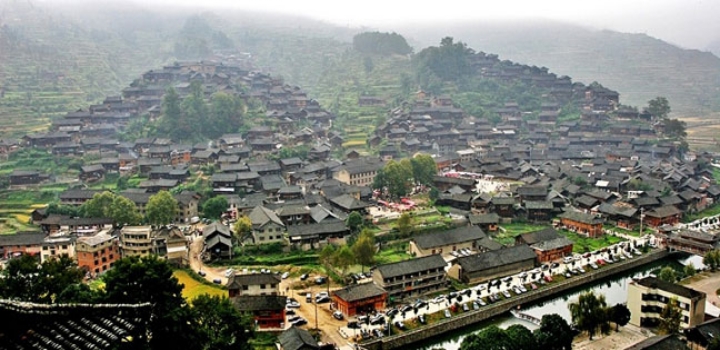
262	286
244	287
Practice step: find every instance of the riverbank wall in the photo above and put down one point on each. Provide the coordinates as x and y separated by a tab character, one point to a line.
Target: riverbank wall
501	307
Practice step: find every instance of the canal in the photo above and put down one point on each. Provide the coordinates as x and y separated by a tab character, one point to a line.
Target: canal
613	288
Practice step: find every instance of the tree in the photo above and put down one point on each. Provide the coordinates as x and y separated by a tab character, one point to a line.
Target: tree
689	270
675	128
714	344
149	279
343	258
554	333
364	248
424	169
712	259
670	318
26	279
98	206
404	225
161	208
226	116
220	324
326	255
243	227
62	209
667	274
215	207
620	315
354	221
123	211
520	338
490	338
659	107
589	314
396	176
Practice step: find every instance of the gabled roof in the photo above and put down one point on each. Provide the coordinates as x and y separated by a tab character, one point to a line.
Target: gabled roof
260	216
412	266
349	202
540	236
329	226
491	218
359	292
22	238
496	258
297	339
216	227
552	244
581	217
663	212
457	235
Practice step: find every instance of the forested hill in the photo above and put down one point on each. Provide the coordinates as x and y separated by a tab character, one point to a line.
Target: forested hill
638	66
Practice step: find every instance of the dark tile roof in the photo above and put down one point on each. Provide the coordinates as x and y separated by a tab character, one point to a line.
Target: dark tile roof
22	238
326	227
491	218
260	302
496	258
297	339
705	332
237	281
534	237
412	266
209	229
663	212
556	243
457	235
655	283
359	292
660	342
71	326
581	217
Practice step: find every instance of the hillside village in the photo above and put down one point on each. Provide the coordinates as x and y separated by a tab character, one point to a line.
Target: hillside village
613	168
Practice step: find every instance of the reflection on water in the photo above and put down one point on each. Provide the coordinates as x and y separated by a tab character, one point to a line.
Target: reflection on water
613	288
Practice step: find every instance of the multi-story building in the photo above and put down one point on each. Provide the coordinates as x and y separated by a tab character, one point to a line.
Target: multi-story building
136	241
97	253
470	238
253	284
412	278
57	245
648	297
267	226
360	172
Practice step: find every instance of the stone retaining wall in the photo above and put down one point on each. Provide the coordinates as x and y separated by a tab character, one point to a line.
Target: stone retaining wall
472	317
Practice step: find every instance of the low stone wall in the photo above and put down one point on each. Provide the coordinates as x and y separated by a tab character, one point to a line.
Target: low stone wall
472	317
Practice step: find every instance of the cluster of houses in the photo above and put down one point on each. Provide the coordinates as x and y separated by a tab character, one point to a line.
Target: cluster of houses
295	119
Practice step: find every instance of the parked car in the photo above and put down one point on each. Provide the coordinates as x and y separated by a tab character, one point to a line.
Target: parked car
293	319
594	266
377	333
320	280
377	320
322	299
399	325
217	281
304	276
447	313
285	275
229	272
522	288
422	319
308	297
465	307
292	305
392	312
420	304
353	325
554	265
475	306
338	315
506	294
289	312
202	273
406	308
299	322
439	300
481	301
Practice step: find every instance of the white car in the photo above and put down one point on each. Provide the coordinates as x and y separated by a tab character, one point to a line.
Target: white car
229	272
285	275
439	300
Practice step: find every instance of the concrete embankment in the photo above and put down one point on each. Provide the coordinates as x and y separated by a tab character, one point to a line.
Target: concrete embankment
472	317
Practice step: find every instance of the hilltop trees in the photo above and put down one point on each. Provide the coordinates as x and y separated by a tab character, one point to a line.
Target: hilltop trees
381	43
447	62
659	107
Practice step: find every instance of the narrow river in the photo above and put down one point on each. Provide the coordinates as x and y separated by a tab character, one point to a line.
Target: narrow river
613	288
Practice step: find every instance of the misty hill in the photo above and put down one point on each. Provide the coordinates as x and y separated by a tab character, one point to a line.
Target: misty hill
638	66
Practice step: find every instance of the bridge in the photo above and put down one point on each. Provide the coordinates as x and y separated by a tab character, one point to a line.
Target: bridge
523	316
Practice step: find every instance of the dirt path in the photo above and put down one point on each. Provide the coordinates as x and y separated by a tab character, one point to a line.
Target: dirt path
197	265
628	335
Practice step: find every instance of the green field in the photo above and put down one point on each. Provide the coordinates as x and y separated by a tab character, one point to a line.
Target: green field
193	288
507	233
584	244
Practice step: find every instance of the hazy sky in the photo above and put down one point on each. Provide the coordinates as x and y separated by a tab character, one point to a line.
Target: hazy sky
688	23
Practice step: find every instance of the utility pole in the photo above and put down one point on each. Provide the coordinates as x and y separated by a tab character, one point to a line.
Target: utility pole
316	318
642	216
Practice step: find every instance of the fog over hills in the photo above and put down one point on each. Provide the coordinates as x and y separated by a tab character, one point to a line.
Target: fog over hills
640	67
